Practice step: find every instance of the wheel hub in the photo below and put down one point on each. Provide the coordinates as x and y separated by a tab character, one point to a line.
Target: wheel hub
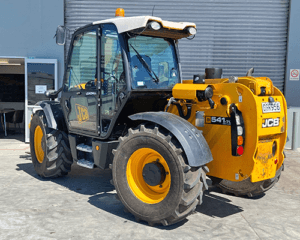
154	173
148	175
39	144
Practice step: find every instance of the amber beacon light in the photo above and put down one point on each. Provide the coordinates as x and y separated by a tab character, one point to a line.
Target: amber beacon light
120	12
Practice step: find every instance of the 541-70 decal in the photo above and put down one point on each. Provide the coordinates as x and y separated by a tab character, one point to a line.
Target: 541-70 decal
218	120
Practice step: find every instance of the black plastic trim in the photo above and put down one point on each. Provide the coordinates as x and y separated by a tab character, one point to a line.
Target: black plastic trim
103	157
54	114
73	145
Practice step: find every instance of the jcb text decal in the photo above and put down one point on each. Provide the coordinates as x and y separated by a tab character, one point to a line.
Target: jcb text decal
218	120
82	113
270	122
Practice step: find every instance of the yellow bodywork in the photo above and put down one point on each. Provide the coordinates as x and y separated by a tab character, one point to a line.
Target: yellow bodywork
257	161
134	173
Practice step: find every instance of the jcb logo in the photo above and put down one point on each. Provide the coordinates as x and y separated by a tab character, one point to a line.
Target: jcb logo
271	122
82	113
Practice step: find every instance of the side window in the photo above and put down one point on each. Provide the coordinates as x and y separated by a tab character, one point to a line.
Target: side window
112	74
82	68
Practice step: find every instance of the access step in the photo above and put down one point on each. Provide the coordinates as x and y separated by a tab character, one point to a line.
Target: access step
85	163
84	148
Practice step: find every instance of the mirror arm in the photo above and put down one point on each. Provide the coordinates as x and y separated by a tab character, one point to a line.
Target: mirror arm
52	94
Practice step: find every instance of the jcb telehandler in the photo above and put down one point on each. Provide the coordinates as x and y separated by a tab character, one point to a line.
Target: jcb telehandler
124	106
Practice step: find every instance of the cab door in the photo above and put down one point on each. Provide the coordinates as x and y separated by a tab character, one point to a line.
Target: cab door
80	91
113	82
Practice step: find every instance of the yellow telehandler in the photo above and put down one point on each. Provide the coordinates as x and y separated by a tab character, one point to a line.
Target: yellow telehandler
124	106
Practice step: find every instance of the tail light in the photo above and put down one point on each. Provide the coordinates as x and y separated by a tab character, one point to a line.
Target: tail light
237	131
240	140
240	150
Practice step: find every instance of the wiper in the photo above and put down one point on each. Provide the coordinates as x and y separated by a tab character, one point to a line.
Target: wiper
146	66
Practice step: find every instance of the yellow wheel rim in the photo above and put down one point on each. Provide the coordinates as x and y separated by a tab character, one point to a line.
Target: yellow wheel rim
38	137
134	172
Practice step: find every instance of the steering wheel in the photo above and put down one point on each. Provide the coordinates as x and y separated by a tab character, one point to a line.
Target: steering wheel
90	84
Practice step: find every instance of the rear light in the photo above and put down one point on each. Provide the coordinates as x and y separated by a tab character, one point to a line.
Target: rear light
240	140
237	131
276	161
240	150
238	120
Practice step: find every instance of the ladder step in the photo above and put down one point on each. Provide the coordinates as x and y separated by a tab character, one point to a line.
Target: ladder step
84	148
85	163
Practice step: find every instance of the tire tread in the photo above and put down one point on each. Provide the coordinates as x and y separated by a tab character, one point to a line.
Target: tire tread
194	178
58	155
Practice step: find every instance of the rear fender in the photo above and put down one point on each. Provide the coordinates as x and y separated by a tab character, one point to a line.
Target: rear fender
190	138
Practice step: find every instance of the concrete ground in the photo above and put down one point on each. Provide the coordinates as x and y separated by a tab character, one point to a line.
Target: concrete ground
83	206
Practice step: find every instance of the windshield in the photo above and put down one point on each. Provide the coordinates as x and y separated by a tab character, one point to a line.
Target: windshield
153	63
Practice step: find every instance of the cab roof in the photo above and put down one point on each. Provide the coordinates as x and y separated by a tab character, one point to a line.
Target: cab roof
126	24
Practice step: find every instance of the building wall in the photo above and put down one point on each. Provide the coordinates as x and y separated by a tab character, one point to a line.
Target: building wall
234	35
292	88
27	29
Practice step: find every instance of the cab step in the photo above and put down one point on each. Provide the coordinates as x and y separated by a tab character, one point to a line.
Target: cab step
85	163
84	148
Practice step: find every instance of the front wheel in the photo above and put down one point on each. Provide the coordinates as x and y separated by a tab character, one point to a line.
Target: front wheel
152	177
50	151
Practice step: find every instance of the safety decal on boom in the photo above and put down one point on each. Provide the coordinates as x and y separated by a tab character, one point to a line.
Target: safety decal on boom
218	120
82	113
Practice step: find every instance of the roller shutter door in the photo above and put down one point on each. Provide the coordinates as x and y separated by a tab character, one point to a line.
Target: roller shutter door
232	34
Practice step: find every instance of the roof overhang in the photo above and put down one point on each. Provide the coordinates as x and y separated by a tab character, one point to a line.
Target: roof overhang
126	24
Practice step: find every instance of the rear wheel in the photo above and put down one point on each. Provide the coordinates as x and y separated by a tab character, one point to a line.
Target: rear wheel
246	187
153	179
50	151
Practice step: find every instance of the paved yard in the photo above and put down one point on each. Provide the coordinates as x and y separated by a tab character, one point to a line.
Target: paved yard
83	206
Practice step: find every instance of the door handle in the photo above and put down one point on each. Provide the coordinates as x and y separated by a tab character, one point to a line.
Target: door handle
78	93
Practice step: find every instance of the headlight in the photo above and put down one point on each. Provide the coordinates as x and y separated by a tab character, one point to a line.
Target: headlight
192	30
154	25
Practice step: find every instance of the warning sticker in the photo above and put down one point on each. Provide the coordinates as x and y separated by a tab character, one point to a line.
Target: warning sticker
294	74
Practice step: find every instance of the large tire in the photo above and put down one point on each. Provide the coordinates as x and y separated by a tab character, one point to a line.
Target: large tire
50	150
248	188
176	196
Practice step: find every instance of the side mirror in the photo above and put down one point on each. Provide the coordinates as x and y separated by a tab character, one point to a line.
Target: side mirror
60	35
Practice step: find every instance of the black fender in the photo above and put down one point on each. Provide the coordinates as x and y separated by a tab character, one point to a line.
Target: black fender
191	139
53	113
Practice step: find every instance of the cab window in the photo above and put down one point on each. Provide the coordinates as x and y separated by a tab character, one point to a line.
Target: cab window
153	62
82	68
112	74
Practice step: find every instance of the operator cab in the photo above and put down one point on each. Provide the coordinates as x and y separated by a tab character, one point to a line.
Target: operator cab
111	66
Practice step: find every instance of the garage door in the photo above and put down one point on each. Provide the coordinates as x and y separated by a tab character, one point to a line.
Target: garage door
232	34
